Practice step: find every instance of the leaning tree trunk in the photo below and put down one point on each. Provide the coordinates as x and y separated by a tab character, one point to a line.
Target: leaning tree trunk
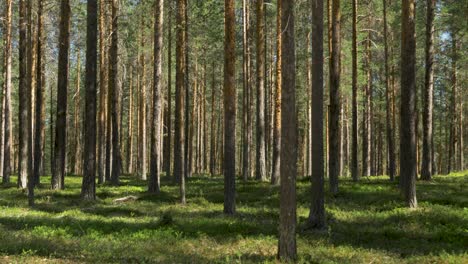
58	174
408	103
155	169
287	226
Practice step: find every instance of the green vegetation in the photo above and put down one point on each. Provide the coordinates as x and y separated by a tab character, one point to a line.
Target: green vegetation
368	223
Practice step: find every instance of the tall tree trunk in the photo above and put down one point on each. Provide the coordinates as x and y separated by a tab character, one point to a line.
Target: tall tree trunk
188	144
388	98
77	111
168	126
24	102
354	136
247	88
38	119
213	134
287	226
275	171
229	108
114	94
408	102
142	112
58	174
88	188
179	140
317	217
102	92
7	140
334	119
155	169
427	159
130	127
261	148
367	119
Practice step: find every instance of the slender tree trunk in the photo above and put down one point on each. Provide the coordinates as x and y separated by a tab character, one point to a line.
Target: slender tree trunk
39	123
388	98
142	113
247	148
155	170
24	102
408	102
77	129
114	94
188	144
317	208
275	171
334	118
427	159
88	188
287	226
213	134
7	92
58	174
168	126
129	153
102	92
179	140
229	108
261	151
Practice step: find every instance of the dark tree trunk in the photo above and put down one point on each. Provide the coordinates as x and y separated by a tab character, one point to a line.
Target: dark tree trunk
88	188
287	227
388	98
114	94
408	103
179	140
334	119
427	158
38	118
155	169
229	108
7	93
58	174
317	209
24	102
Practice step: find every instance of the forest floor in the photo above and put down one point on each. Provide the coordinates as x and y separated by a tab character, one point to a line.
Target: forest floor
367	223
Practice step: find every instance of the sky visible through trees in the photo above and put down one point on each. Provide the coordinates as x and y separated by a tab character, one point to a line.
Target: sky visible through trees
167	93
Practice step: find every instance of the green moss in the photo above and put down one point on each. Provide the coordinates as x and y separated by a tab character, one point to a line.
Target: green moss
367	223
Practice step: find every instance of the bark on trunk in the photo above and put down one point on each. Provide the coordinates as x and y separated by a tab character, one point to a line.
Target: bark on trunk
287	227
88	189
408	103
317	217
155	169
58	174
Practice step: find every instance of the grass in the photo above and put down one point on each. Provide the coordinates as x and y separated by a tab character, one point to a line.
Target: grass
367	223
